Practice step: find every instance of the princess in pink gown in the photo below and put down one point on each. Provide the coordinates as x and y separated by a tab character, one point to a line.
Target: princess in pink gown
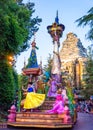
58	106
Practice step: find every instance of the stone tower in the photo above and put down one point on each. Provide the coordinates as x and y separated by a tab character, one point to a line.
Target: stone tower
73	59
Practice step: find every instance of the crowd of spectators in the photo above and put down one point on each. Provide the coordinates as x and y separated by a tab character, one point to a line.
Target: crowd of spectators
84	106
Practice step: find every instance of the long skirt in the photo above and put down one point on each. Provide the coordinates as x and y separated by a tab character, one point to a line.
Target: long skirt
33	100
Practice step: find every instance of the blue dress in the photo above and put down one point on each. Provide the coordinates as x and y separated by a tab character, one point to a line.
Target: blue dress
30	89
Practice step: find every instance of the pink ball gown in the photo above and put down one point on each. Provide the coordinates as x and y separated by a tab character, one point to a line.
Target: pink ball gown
58	106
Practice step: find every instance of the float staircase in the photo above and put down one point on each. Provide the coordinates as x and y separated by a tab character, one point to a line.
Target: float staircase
40	119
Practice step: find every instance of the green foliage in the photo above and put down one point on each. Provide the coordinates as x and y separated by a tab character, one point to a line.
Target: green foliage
48	66
16	29
16	83
87	20
6	86
89	67
88	87
16	26
23	79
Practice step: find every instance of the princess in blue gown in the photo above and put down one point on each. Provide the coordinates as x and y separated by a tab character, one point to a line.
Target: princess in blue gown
33	100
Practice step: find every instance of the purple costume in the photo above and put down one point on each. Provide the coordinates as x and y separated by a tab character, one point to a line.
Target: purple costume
52	89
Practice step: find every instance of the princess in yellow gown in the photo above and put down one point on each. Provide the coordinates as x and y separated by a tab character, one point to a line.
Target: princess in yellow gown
33	100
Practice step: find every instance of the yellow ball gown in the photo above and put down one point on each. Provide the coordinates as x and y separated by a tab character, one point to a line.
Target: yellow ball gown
33	100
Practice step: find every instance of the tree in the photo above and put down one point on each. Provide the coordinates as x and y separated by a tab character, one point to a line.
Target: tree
87	20
7	86
16	26
88	87
47	69
48	66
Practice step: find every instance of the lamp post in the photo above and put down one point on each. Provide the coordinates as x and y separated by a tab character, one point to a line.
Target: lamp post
56	31
11	60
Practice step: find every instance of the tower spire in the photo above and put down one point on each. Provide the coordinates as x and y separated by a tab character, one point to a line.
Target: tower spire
57	19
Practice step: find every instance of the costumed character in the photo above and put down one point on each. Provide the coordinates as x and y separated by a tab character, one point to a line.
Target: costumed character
64	94
40	87
53	88
47	85
58	106
46	76
33	100
70	98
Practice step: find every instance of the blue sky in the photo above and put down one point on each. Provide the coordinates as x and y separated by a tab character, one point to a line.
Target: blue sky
68	11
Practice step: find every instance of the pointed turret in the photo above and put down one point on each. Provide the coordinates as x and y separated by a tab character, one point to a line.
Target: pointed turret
32	61
32	67
57	19
56	29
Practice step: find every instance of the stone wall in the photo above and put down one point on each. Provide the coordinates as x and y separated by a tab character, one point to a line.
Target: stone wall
73	59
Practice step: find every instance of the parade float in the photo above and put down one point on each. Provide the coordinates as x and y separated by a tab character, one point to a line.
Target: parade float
58	108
